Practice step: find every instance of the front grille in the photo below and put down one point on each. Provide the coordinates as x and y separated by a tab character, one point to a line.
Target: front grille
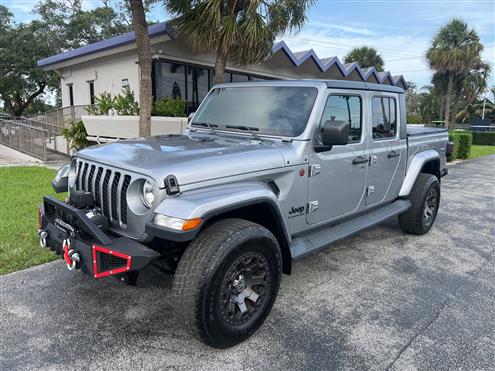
108	187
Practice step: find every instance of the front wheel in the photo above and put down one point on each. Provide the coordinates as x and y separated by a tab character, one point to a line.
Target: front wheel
227	281
425	199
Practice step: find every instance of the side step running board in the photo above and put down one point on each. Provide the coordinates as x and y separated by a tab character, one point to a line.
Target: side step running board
322	238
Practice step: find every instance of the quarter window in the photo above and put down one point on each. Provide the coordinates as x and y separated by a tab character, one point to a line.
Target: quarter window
384	118
344	108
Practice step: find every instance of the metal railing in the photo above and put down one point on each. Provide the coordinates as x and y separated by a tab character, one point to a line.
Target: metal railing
25	138
62	115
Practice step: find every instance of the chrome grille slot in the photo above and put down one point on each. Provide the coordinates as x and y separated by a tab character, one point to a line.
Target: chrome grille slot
108	187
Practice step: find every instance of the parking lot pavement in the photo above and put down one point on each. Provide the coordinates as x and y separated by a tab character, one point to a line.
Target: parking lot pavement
381	300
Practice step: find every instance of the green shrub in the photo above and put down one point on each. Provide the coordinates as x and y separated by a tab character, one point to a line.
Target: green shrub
454	138
414	119
169	107
76	134
483	138
125	105
103	104
463	141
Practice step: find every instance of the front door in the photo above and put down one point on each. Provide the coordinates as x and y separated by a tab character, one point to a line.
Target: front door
337	179
386	150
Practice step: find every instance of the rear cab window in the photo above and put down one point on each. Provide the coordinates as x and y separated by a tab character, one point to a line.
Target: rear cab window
384	117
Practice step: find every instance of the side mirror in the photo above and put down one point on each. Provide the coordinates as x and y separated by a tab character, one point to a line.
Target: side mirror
189	118
333	133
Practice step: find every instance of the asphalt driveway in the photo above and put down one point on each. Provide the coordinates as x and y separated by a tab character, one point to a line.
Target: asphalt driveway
381	300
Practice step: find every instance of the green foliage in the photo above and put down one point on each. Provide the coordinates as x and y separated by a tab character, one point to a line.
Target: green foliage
414	119
125	104
484	138
455	56
60	26
19	248
103	104
76	134
21	81
478	151
463	141
242	30
365	57
169	107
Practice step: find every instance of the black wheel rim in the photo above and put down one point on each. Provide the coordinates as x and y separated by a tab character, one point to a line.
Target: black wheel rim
430	206
245	287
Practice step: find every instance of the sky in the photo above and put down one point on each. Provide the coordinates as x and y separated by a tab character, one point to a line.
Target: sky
401	30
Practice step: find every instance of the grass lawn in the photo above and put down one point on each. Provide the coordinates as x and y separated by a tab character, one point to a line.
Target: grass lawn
21	191
478	151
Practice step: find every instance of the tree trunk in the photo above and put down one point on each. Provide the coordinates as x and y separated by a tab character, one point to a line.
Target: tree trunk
447	100
144	57
220	63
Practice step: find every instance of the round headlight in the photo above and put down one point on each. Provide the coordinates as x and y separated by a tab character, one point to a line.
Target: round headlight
147	194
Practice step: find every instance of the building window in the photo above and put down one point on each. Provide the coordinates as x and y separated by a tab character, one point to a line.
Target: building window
384	118
171	81
344	108
91	92
71	95
197	85
239	78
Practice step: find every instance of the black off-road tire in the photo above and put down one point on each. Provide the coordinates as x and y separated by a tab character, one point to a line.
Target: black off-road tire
414	220
200	282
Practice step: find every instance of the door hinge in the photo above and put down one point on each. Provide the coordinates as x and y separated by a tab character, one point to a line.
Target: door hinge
370	190
314	169
313	206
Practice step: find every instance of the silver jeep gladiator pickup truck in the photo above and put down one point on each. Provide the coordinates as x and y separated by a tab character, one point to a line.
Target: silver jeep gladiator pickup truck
267	173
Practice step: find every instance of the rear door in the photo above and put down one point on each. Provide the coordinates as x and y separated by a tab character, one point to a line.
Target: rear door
338	177
387	151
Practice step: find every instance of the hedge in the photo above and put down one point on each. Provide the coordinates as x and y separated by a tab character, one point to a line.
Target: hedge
462	145
483	138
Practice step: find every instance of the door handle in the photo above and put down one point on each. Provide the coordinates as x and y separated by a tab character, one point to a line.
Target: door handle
393	154
359	160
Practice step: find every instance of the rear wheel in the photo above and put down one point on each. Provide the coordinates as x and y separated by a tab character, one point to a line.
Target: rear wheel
227	281
425	199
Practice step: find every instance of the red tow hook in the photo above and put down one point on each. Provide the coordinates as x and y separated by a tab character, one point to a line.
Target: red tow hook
70	257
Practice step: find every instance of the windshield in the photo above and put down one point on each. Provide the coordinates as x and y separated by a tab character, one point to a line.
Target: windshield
272	110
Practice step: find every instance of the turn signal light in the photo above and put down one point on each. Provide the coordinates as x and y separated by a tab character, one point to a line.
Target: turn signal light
191	224
177	223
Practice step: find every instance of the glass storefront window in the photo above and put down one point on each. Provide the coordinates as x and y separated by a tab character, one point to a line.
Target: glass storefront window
197	84
171	80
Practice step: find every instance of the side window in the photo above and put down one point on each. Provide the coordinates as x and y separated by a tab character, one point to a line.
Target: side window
384	118
345	108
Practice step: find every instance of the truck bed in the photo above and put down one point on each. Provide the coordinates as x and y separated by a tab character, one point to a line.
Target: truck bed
414	130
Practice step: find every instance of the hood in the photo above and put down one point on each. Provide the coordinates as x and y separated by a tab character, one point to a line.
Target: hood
191	158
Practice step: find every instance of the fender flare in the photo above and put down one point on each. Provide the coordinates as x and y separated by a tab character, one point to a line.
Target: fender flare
207	203
415	168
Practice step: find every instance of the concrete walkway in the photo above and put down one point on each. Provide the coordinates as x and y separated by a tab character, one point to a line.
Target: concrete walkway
12	157
381	300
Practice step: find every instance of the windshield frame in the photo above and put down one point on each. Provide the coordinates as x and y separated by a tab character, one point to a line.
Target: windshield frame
306	134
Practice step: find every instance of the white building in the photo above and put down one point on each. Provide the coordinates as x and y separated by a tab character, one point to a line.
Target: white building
109	65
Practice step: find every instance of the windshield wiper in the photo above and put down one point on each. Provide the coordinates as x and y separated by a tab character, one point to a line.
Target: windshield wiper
206	125
252	130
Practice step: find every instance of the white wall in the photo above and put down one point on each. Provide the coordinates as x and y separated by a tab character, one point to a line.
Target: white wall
107	75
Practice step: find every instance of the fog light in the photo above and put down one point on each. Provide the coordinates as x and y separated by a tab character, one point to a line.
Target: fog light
176	223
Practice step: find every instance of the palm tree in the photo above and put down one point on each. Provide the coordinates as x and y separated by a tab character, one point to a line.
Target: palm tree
144	58
455	49
240	30
365	57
